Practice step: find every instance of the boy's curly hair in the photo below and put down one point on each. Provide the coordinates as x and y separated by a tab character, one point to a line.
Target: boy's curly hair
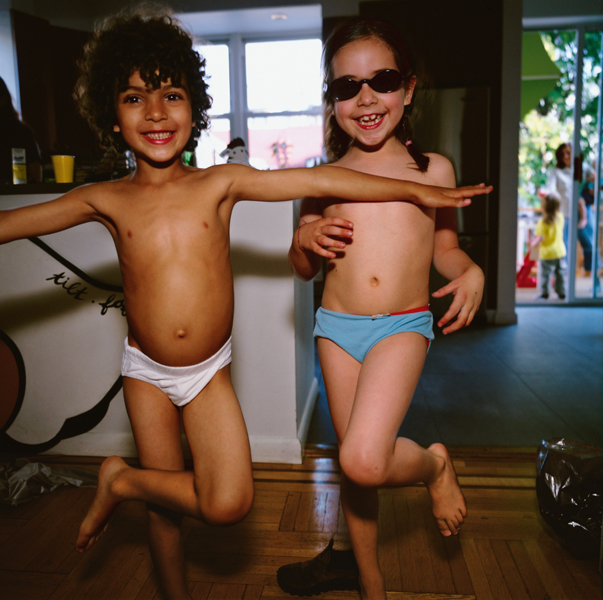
151	42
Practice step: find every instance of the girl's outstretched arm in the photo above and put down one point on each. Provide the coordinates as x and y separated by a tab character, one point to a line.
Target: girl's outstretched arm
328	181
47	217
313	239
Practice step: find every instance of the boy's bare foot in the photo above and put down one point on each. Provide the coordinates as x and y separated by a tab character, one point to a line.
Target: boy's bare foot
104	503
448	502
372	588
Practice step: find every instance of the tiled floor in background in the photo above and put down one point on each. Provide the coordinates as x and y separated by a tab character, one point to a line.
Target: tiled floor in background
507	386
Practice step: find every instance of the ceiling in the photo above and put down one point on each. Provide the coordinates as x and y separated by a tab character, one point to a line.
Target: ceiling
275	20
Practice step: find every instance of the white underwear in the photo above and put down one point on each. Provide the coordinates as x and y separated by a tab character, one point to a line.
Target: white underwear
179	384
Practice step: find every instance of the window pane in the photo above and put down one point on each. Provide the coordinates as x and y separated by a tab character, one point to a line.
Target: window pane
278	142
218	70
212	142
284	75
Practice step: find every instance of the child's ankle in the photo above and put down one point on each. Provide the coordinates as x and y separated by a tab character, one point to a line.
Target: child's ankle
439	468
372	588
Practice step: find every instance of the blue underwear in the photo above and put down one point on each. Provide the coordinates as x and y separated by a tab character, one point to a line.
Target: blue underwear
357	334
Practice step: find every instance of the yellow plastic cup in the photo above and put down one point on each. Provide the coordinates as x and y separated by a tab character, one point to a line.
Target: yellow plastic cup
63	168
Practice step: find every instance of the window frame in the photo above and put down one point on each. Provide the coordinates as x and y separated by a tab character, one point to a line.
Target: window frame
239	111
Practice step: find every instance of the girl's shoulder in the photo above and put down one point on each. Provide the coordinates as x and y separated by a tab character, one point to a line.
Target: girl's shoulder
440	170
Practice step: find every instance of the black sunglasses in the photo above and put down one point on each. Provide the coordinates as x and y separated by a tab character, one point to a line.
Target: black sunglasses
384	82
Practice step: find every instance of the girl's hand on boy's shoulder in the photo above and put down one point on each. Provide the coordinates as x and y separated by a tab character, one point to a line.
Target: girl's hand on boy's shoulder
467	289
442	197
328	232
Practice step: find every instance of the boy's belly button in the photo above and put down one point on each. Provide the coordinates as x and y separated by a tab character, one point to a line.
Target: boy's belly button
374	281
181	333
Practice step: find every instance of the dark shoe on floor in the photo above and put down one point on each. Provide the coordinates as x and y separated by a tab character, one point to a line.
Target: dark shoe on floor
542	297
330	570
561	296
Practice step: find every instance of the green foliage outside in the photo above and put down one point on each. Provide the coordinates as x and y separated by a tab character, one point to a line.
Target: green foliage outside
551	123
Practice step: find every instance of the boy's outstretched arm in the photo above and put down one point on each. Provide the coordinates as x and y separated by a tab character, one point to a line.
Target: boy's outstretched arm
46	217
330	181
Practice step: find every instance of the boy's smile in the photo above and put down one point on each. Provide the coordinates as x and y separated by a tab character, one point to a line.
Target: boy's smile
155	123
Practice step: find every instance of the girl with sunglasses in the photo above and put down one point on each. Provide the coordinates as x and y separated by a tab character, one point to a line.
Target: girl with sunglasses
374	326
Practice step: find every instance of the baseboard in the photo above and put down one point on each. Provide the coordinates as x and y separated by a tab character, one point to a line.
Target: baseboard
269	449
498	317
304	425
97	444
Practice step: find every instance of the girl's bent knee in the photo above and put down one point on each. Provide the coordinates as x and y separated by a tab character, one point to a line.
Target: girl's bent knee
363	468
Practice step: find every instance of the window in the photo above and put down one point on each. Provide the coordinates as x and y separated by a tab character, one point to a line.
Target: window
267	92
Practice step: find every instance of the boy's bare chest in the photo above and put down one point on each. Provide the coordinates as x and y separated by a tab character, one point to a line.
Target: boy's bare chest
181	227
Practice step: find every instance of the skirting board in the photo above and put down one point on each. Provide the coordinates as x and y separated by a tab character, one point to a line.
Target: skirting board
501	317
97	444
304	425
268	449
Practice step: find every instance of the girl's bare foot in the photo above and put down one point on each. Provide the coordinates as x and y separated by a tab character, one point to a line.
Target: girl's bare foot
104	503
448	502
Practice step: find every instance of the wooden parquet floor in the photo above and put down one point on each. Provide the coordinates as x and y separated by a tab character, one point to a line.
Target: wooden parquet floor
502	553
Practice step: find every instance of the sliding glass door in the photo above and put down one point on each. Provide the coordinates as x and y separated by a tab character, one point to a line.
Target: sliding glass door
561	105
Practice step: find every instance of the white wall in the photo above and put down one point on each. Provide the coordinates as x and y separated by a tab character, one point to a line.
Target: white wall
265	349
306	382
70	349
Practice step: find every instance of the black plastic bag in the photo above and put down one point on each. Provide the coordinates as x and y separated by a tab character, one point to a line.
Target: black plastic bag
568	485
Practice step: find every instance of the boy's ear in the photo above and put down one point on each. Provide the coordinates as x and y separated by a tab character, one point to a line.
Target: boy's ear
116	128
409	88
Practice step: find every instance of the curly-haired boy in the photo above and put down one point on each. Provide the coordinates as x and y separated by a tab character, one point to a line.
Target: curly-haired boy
142	86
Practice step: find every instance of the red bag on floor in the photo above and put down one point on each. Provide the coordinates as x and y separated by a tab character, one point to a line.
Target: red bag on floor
523	279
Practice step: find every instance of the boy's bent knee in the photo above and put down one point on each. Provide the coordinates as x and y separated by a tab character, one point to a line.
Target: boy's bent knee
226	509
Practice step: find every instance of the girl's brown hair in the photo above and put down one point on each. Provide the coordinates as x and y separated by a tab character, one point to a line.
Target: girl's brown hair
337	142
550	208
559	156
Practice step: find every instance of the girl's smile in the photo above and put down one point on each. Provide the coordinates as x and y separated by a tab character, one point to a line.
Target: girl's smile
370	121
370	118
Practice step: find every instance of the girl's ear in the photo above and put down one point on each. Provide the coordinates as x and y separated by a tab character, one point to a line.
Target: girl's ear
116	128
409	88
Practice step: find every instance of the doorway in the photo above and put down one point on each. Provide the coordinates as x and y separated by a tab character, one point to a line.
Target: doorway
561	104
